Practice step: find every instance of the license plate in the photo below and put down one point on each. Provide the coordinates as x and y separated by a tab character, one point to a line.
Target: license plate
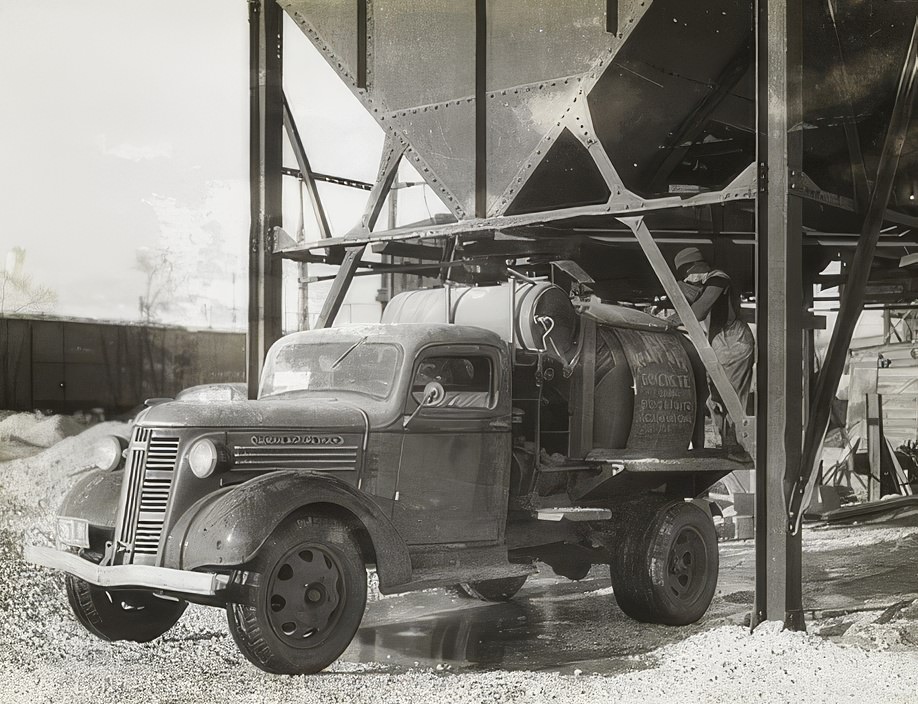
73	532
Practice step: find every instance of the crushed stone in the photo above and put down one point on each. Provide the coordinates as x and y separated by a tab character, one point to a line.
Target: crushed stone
39	430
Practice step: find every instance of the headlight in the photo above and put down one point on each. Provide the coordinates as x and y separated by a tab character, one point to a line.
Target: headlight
107	452
204	457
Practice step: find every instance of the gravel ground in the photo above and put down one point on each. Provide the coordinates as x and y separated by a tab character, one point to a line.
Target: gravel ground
47	657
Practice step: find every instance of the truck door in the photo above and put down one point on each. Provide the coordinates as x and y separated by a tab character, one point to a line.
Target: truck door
455	460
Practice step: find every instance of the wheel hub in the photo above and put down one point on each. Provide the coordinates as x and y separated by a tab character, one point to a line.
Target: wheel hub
686	565
305	595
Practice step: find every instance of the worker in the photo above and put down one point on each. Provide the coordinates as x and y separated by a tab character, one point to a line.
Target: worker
715	304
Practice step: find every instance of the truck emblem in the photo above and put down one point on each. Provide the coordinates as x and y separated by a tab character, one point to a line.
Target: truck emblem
297	440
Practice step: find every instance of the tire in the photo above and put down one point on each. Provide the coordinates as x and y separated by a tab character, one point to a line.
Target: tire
666	571
122	615
308	599
493	589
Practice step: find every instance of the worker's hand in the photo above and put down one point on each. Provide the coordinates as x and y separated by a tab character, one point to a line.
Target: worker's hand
580	305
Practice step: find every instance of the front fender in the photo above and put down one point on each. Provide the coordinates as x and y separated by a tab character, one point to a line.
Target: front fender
95	499
228	527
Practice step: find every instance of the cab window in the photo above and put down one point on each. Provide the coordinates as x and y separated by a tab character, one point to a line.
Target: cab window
466	379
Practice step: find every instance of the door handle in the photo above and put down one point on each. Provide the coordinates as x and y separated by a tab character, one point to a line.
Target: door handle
499	425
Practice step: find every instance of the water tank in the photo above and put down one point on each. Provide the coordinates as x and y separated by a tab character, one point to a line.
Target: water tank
540	317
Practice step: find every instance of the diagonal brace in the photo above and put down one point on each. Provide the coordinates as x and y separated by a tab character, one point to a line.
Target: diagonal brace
296	143
745	425
388	168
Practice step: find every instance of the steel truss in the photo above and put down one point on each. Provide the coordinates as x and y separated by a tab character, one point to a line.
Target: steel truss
784	454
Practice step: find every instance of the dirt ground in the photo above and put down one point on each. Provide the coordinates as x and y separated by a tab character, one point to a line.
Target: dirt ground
557	640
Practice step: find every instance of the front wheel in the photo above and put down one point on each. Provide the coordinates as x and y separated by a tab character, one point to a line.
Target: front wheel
493	589
308	600
666	570
122	614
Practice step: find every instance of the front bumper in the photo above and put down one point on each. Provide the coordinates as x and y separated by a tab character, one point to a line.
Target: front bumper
140	576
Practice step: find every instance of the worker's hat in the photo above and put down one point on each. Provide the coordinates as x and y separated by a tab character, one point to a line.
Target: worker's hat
688	256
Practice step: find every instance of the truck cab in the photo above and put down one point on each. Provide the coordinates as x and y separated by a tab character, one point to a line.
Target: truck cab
439	452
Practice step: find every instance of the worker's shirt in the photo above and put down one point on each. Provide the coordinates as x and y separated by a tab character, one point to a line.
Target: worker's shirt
723	313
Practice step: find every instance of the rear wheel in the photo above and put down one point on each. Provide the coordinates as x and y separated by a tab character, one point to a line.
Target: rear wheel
493	589
308	600
122	614
666	570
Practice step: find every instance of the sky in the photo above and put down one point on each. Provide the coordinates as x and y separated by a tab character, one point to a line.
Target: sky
125	134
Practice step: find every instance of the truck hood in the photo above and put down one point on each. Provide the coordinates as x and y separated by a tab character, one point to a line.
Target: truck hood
302	413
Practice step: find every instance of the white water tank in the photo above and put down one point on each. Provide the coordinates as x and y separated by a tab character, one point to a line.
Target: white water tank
538	308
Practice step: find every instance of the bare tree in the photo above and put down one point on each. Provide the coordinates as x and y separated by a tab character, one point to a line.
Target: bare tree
18	292
159	270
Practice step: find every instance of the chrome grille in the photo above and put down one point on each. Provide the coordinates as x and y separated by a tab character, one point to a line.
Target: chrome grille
323	457
149	472
162	454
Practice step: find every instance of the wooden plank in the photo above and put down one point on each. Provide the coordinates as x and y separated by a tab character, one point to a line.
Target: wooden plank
901	477
874	444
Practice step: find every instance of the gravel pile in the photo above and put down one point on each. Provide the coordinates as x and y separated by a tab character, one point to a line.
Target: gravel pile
39	430
45	656
40	482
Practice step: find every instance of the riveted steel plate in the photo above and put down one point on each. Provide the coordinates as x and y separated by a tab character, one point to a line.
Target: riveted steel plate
556	39
668	63
520	125
423	51
666	69
335	25
443	136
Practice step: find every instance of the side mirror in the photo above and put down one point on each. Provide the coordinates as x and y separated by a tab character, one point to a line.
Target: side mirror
433	395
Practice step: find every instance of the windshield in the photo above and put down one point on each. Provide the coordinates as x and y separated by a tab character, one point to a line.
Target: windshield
356	365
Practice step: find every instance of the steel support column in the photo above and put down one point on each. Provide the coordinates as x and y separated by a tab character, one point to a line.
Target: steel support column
779	309
266	129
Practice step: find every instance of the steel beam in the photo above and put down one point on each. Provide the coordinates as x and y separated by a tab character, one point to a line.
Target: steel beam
327	178
266	125
362	53
855	154
306	173
619	205
779	308
481	108
388	170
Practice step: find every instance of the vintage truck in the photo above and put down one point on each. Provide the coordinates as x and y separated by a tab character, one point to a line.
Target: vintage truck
475	431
